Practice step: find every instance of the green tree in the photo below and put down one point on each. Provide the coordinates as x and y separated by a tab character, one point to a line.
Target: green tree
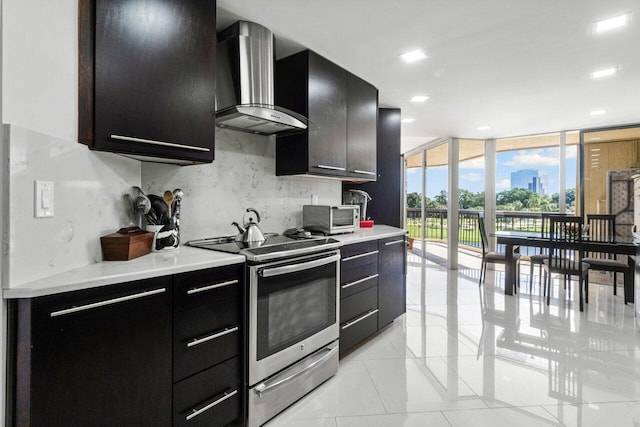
441	199
414	200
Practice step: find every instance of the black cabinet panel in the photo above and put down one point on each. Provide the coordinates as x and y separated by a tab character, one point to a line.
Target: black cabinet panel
352	333
98	357
392	279
354	280
210	398
315	87
386	192
343	111
358	248
362	117
153	78
355	305
207	319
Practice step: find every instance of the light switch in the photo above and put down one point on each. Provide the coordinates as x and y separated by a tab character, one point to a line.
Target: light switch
43	202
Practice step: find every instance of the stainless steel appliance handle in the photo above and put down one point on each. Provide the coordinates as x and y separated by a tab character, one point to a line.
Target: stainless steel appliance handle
209	287
275	382
359	319
278	271
349	258
196	412
164	144
226	331
348	285
333	168
395	242
364	172
107	302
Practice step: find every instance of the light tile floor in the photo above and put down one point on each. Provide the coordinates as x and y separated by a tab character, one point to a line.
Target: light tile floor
469	356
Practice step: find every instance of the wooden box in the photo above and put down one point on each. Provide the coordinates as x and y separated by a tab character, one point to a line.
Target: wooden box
126	243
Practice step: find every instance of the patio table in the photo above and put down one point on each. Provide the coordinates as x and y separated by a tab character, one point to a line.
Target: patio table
512	240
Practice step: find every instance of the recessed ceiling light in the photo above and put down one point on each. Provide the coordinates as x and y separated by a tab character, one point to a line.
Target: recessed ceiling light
611	23
413	56
483	128
408	120
419	98
598	112
604	73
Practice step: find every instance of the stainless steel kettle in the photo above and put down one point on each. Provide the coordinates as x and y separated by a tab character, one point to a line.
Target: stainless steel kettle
250	232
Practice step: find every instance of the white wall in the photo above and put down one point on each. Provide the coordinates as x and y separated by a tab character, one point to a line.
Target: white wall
241	176
40	92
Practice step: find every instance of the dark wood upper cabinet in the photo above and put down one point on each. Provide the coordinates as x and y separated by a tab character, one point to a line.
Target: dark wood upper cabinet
316	88
362	117
147	78
342	110
386	192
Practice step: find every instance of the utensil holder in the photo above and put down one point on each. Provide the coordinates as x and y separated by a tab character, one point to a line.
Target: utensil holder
166	237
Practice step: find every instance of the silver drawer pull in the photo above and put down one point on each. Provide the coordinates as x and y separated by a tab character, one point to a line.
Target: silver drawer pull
164	144
359	319
333	168
349	258
197	412
106	302
208	288
226	331
395	242
348	285
364	172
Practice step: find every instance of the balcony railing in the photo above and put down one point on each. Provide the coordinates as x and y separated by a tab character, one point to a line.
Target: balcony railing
468	231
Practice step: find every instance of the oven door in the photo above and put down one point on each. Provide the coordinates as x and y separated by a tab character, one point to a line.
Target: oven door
344	218
293	311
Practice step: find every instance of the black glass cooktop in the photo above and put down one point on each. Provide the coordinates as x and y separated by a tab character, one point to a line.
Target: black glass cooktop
274	247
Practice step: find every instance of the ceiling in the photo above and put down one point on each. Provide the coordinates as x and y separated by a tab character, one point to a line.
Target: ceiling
520	67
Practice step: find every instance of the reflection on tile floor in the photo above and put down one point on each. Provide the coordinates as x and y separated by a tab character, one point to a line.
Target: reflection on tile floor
464	355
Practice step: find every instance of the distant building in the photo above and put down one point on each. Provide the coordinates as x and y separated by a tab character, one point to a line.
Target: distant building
530	179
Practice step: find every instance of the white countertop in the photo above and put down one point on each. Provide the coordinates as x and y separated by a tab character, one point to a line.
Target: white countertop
374	233
158	264
104	273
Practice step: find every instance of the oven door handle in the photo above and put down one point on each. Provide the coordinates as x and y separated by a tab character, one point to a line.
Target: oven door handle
279	271
267	385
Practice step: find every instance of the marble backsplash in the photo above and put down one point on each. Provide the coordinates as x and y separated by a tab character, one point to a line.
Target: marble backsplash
88	203
241	176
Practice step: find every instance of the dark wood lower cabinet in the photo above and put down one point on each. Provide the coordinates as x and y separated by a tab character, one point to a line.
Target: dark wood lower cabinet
100	357
392	289
156	352
372	288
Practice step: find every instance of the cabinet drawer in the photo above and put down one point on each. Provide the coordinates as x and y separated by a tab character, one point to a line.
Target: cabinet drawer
358	248
354	331
353	306
354	280
207	319
360	258
210	398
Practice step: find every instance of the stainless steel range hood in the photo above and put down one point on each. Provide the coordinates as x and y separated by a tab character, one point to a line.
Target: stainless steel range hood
245	74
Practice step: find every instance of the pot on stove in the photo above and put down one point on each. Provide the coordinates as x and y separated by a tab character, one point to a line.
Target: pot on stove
250	232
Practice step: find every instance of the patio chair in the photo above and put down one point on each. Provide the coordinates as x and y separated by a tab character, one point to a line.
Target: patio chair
493	257
538	259
602	228
561	259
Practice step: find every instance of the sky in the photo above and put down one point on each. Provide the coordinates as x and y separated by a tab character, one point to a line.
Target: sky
472	171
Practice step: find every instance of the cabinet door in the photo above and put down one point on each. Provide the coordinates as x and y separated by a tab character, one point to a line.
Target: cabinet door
102	357
392	279
362	121
155	78
328	112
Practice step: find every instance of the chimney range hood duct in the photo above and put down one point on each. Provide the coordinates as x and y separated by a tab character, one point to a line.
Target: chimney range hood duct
245	64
